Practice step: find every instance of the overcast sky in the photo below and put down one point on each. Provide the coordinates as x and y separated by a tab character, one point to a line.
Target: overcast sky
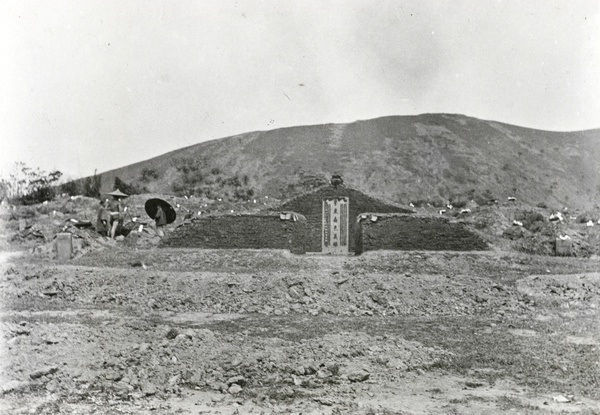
101	84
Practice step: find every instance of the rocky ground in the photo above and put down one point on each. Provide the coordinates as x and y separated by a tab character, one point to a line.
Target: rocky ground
128	329
165	331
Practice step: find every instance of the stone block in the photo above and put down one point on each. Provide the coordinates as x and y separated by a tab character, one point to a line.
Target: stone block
64	246
132	239
564	247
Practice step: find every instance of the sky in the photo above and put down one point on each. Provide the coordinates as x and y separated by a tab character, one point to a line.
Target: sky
99	84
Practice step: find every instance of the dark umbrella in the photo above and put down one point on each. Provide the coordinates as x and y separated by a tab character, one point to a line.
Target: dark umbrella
152	205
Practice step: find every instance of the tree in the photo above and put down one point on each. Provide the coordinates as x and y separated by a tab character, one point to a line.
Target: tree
30	186
16	183
91	186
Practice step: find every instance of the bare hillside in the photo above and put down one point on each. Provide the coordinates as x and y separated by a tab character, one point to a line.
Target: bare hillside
399	158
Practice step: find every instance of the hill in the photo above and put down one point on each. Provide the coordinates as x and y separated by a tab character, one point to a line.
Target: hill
398	158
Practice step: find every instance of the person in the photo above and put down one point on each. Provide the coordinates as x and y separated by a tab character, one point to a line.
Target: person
115	207
161	220
103	219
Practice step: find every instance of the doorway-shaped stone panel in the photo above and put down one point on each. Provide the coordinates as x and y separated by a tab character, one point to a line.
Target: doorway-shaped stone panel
335	225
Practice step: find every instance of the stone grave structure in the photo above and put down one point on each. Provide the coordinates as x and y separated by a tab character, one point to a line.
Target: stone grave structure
329	220
331	213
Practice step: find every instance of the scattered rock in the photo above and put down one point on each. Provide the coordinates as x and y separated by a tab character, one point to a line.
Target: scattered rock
359	376
379	299
287	392
148	389
469	384
50	293
324	400
234	389
218	386
324	373
205	335
295	293
561	399
172	333
113	375
22	331
43	372
236	380
298	370
189	333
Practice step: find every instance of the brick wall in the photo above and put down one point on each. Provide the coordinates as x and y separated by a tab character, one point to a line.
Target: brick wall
408	232
258	231
310	206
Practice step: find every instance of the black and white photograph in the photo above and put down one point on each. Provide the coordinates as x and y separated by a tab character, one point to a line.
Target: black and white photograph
362	207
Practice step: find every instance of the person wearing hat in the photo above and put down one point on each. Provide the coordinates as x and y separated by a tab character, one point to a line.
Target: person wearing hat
115	207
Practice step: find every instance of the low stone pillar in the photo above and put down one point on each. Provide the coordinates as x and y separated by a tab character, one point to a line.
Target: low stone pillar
64	246
132	239
564	247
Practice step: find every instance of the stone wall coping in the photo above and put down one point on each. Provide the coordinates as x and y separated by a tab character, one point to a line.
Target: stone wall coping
367	215
261	214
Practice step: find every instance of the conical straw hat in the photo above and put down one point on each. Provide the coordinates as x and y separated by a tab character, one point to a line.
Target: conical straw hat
117	193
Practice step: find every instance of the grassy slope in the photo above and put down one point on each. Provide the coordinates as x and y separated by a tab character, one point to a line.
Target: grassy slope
402	158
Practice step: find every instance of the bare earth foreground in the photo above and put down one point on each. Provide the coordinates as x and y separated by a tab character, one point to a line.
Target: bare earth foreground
165	331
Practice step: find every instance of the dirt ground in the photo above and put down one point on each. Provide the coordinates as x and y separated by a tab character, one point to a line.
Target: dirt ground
175	331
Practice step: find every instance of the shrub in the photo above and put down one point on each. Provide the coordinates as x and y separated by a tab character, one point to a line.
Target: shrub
534	217
420	203
481	224
243	194
38	196
437	202
148	174
128	188
72	188
534	226
514	232
459	201
583	218
190	179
